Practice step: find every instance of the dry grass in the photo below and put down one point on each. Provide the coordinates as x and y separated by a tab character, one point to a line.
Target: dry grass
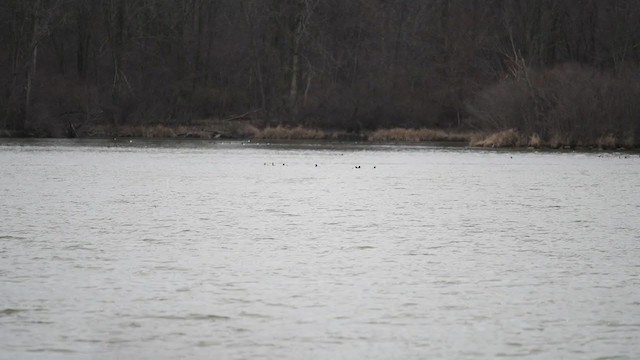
535	141
513	138
279	133
248	131
295	133
192	132
506	138
284	133
307	134
608	141
500	139
557	141
415	135
157	131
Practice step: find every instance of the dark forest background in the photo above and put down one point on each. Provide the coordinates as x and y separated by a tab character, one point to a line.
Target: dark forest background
567	69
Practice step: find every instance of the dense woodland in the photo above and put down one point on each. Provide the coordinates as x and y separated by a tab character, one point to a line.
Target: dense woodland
565	69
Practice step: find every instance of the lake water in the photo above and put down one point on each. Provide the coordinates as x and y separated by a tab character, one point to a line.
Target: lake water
211	250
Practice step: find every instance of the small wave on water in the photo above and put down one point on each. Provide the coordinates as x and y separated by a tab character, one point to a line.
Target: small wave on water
254	315
197	317
51	350
12	237
361	247
11	312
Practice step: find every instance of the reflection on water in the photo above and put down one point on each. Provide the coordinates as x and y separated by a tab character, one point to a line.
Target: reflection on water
205	250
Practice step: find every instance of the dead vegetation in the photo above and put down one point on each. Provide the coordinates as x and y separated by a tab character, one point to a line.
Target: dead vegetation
512	138
567	106
285	133
509	138
416	135
506	138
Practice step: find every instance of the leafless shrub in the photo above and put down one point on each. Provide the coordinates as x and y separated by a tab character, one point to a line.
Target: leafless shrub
569	105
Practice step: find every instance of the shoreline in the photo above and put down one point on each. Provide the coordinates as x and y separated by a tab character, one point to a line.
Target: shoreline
171	142
505	139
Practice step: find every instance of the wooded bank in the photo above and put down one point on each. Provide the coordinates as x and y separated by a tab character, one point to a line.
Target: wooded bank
562	71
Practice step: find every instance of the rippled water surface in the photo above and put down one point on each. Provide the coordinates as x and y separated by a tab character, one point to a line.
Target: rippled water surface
200	250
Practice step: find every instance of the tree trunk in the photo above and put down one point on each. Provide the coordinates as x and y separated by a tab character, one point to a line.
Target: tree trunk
301	18
31	71
115	17
84	38
256	58
293	88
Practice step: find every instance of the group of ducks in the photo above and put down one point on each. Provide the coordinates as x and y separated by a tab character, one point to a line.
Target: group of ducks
316	165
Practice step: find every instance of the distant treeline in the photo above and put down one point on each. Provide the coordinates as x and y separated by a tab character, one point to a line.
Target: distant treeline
565	69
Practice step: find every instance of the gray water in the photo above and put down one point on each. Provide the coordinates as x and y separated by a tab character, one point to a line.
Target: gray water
201	250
